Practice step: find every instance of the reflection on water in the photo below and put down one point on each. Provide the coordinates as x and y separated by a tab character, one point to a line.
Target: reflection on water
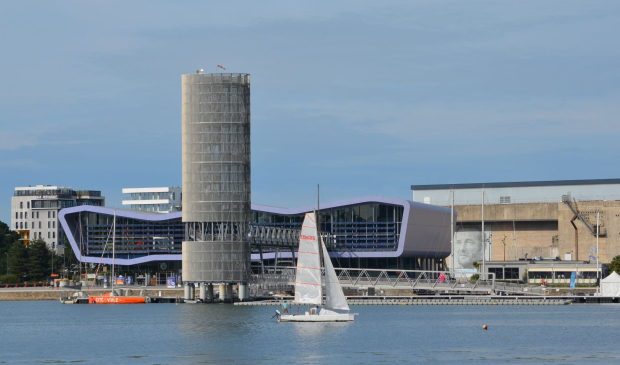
205	333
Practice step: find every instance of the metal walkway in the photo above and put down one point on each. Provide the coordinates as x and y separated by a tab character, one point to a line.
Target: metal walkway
443	281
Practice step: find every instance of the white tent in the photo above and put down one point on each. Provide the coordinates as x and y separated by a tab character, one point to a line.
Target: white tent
610	286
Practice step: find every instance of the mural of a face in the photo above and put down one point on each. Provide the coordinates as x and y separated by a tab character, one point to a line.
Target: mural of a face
467	249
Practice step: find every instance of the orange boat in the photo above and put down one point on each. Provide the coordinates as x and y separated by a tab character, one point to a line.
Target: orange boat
109	299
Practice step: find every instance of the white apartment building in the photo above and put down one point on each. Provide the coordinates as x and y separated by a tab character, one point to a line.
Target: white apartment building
158	200
34	210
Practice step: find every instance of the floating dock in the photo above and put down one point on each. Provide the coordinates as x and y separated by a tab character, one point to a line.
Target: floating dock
474	300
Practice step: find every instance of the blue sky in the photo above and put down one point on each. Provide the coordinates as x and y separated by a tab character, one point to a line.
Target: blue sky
363	97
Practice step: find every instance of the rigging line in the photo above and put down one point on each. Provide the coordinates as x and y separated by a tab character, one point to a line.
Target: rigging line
105	247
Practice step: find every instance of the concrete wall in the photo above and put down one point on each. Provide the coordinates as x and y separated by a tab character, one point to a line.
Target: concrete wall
508	212
520	194
544	229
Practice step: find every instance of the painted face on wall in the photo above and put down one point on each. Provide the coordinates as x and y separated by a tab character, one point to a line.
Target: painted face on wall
467	249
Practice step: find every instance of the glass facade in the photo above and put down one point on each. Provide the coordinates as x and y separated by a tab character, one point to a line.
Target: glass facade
362	227
134	237
356	228
52	204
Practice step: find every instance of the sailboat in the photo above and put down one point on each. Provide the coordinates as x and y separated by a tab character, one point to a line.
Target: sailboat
308	280
112	297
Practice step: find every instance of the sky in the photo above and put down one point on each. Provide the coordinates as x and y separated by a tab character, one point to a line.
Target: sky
361	97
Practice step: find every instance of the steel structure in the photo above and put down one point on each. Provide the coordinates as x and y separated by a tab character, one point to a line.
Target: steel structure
443	281
216	177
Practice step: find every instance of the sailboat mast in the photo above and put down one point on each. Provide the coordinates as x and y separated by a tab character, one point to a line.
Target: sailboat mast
318	230
113	248
452	235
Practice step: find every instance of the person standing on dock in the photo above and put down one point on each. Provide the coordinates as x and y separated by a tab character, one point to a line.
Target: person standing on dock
285	307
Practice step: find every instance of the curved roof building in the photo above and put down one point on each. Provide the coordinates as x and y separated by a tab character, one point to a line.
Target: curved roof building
361	232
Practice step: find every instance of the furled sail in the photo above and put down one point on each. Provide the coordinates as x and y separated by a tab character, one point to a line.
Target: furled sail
308	288
333	290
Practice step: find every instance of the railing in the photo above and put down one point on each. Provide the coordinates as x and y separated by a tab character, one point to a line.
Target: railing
402	279
384	279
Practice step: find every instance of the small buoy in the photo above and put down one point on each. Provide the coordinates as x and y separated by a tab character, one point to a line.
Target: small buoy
484	327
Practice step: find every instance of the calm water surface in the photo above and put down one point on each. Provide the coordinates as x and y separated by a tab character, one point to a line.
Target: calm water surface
49	333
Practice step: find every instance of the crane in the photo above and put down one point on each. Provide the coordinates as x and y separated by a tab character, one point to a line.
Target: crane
572	221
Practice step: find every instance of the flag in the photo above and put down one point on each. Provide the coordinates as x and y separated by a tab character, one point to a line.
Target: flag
221	67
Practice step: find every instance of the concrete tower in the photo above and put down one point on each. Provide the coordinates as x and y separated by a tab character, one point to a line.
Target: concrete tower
216	179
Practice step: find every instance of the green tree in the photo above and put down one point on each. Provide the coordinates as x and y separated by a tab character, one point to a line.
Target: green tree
614	265
7	238
18	260
38	260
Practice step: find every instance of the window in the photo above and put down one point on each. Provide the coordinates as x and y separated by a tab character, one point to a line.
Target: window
48	235
16	215
540	275
21	224
16	225
21	215
427	200
37	215
26	225
54	224
49	225
28	205
498	271
21	205
39	224
54	214
53	234
504	200
49	214
512	273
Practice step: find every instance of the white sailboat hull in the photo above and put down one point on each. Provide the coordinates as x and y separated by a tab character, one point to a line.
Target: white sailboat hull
340	317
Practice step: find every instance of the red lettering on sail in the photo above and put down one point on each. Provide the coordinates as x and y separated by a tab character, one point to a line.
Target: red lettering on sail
304	237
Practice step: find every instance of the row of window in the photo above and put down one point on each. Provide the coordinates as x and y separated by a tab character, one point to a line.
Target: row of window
367	212
153	196
560	275
152	207
508	273
24	225
24	215
49	235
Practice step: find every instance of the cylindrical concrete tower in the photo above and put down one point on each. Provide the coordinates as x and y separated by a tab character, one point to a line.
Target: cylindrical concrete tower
216	177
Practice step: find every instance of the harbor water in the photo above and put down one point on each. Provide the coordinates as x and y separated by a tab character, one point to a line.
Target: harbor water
48	332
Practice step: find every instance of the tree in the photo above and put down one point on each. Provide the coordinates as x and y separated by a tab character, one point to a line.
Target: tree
38	259
7	238
614	265
18	259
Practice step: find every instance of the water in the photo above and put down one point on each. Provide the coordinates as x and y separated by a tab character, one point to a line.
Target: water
49	333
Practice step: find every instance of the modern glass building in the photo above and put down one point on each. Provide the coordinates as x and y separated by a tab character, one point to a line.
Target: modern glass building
367	232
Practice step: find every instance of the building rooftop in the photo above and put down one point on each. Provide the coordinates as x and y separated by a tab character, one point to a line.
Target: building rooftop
42	187
516	184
